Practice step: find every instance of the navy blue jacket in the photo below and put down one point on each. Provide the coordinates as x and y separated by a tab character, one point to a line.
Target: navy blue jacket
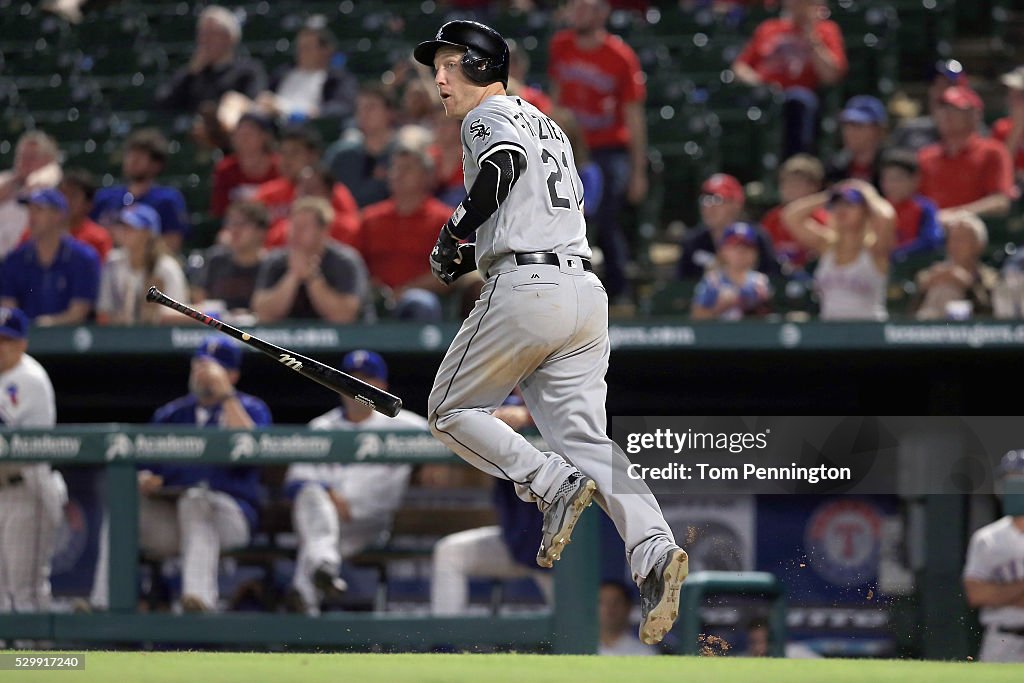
241	483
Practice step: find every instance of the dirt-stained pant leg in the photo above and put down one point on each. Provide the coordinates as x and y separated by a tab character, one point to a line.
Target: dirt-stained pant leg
522	316
566	396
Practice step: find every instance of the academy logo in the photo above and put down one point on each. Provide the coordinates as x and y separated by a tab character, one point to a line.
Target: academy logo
243	446
288	446
155	446
479	131
42	447
413	446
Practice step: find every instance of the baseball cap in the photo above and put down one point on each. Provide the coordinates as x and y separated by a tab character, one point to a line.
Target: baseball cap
864	109
365	363
962	98
141	216
724	186
221	349
50	197
740	233
1015	79
846	194
13	323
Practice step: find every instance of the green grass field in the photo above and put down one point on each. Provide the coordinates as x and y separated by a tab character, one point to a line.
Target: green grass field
135	667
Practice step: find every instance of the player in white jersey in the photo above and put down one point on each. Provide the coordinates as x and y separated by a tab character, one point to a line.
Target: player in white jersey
32	496
341	509
994	571
541	322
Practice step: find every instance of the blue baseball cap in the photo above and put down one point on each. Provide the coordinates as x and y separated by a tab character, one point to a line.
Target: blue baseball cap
140	216
743	233
50	197
846	194
365	363
13	323
221	349
865	109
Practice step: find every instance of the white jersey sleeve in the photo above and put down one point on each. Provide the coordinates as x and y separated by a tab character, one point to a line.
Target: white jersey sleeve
26	396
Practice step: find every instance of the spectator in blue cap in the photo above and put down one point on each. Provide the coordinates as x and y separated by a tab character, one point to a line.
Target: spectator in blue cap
52	277
139	263
863	123
733	289
199	510
340	509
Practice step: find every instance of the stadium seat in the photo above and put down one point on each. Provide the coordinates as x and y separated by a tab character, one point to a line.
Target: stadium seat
672	298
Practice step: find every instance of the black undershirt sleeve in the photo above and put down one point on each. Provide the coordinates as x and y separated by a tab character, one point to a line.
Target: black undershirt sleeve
499	172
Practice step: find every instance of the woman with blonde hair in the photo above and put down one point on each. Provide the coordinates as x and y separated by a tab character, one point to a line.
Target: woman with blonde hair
141	261
854	244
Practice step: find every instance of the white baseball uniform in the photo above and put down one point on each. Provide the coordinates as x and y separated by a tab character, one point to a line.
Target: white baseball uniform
32	496
373	493
996	554
544	327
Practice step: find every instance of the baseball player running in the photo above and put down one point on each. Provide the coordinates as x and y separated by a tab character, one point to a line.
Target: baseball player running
541	322
32	496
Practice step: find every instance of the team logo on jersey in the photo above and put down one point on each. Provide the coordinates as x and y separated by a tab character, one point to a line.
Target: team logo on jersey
479	130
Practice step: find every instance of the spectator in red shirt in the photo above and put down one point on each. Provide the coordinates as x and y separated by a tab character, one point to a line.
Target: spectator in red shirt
917	218
300	149
862	124
317	181
799	52
79	188
518	72
251	163
964	171
598	77
396	234
920	131
800	176
1010	129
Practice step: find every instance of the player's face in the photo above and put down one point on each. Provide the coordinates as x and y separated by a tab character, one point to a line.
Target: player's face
458	95
11	351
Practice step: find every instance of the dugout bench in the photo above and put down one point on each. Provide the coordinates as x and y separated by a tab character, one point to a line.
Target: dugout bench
570	627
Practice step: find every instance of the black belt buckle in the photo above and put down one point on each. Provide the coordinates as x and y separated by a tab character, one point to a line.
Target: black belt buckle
1019	631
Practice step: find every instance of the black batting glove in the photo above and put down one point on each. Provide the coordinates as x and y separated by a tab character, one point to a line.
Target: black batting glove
450	260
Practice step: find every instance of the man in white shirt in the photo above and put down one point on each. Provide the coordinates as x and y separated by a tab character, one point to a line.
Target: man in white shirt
36	167
994	572
341	509
32	496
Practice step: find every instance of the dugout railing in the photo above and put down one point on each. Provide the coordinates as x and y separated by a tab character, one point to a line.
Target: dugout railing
571	626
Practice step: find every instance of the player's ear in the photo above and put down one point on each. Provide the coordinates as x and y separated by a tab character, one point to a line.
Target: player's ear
233	376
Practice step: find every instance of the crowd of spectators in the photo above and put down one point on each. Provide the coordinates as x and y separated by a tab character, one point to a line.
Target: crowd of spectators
374	193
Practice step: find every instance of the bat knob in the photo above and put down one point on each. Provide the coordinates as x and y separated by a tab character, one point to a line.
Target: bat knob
153	294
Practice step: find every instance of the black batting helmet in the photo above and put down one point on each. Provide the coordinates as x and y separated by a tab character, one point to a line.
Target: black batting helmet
486	58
